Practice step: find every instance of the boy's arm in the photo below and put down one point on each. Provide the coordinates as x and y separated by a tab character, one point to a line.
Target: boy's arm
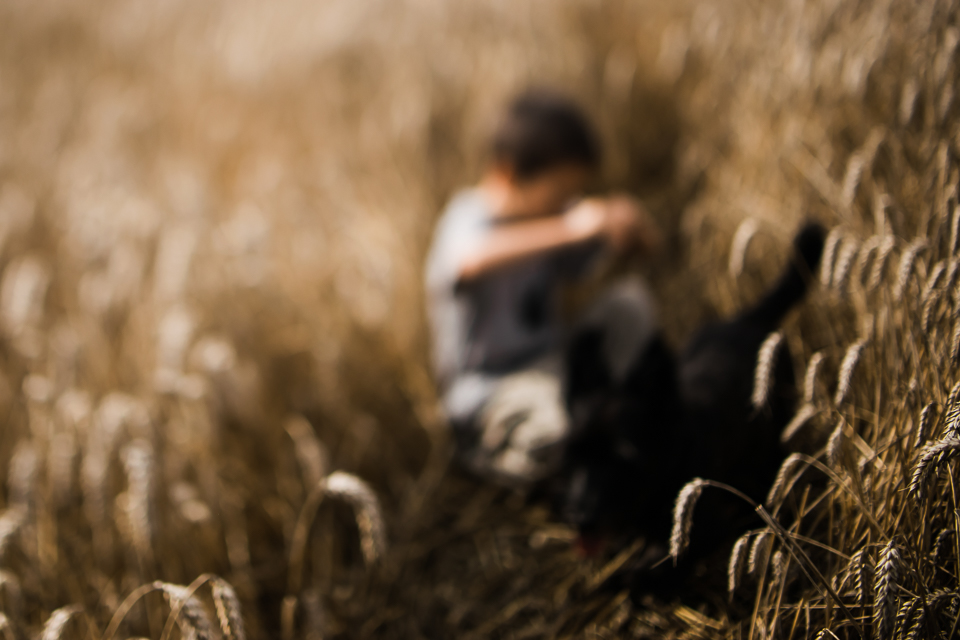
620	221
507	244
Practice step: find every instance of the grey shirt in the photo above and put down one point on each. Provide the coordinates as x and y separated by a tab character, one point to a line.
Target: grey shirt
504	319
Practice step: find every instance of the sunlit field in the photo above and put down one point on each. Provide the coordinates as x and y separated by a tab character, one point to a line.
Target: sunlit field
218	415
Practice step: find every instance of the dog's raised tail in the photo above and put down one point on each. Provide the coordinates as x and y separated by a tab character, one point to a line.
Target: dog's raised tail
796	277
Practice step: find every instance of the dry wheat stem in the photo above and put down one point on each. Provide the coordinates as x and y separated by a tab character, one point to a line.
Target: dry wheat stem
683	517
763	374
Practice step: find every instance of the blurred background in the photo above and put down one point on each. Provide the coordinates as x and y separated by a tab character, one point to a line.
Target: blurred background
213	218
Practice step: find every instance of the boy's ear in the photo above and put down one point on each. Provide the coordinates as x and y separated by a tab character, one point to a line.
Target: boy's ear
503	170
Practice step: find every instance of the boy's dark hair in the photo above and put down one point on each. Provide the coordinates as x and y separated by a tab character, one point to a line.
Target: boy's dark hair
541	130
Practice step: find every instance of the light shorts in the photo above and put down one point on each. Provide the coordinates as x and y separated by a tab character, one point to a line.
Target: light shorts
513	428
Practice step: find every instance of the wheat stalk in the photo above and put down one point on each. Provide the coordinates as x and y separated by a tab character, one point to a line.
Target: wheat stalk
683	517
763	374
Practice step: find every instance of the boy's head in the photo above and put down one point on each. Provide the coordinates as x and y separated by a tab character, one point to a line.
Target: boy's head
545	150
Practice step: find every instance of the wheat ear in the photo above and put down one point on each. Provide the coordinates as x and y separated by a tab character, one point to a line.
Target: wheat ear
829	253
741	243
880	262
738	562
190	614
760	552
885	591
861	570
933	280
776	493
951	419
847	367
366	508
905	270
683	517
841	271
867	250
57	622
802	417
932	457
924	422
763	374
810	378
835	444
228	609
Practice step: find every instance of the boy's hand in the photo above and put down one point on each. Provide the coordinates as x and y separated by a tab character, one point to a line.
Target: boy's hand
588	218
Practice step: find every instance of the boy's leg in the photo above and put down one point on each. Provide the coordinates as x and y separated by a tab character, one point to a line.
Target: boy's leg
626	314
516	437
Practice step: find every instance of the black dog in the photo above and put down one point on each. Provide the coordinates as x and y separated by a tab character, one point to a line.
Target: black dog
672	419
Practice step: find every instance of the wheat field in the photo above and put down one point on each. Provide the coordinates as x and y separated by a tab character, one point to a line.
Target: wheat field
218	416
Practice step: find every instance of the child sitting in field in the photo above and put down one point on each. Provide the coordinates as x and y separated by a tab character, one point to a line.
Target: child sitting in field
500	254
